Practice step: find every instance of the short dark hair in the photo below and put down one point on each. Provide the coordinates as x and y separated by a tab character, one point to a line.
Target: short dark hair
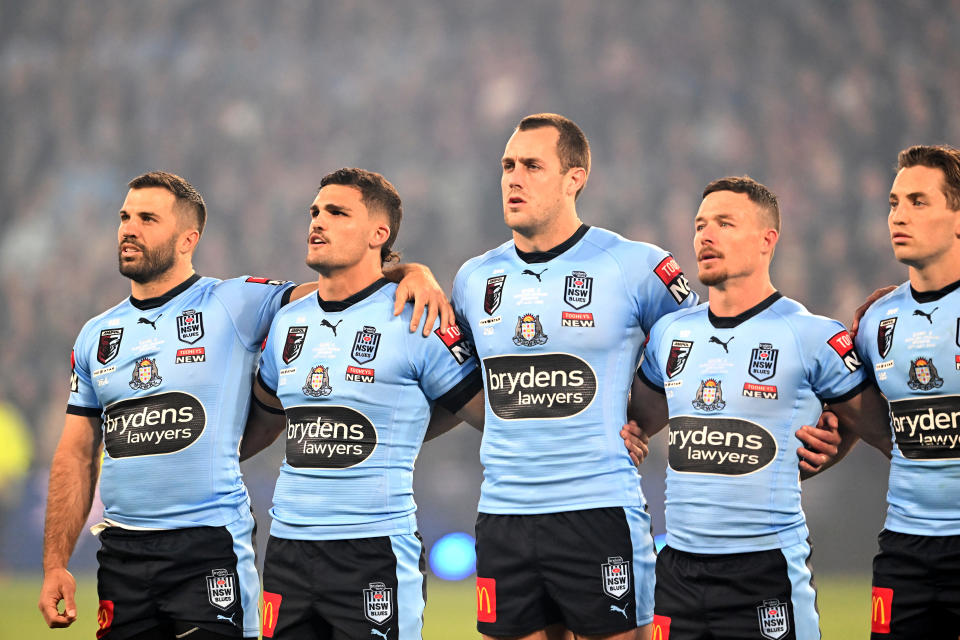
184	193
376	192
756	192
573	148
943	157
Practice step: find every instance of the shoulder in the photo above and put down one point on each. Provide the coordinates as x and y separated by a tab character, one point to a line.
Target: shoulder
687	315
607	241
491	256
806	324
881	308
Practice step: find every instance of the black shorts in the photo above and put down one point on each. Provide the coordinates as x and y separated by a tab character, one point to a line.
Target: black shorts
344	589
916	587
763	594
178	579
590	570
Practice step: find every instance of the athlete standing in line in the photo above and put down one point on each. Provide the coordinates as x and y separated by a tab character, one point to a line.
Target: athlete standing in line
161	381
737	377
908	339
357	389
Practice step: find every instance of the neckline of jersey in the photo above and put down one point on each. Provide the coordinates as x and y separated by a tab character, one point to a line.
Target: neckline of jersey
720	322
339	305
536	257
933	296
159	301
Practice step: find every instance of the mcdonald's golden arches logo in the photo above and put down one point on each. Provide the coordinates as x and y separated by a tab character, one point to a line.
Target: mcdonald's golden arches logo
486	599
661	628
881	609
271	611
104	617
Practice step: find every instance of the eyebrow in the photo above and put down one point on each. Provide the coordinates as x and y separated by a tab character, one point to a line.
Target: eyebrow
521	160
330	206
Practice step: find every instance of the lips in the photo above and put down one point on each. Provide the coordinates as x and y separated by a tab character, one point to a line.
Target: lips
316	239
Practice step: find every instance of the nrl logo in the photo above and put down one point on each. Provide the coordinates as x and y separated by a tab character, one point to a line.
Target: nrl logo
220	589
145	374
709	396
923	375
378	603
318	382
529	331
616	577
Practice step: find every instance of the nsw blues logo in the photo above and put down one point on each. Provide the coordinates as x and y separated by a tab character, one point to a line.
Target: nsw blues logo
616	577
378	603
190	326
221	591
318	382
923	375
774	619
578	290
885	335
763	362
709	396
529	331
365	345
145	374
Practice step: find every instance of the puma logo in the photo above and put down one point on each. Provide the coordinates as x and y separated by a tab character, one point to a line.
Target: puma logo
333	327
154	323
533	273
230	619
928	316
614	607
716	340
383	635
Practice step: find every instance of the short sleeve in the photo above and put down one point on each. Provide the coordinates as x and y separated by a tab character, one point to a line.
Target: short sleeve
838	374
661	288
267	374
252	303
446	365
83	400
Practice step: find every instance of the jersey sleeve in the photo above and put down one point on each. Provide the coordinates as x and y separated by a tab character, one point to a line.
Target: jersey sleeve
650	371
83	401
661	288
837	372
267	373
252	303
446	365
458	300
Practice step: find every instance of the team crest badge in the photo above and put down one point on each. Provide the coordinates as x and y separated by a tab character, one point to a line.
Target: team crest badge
709	396
365	345
494	294
378	603
923	375
221	589
190	326
616	577
885	335
318	382
774	619
578	290
109	345
529	331
293	345
763	362
677	360
145	374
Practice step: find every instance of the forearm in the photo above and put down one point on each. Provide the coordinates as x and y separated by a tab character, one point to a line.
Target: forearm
73	480
262	429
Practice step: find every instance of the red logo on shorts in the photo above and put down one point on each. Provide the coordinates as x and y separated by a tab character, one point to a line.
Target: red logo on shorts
661	628
486	599
882	610
271	611
104	617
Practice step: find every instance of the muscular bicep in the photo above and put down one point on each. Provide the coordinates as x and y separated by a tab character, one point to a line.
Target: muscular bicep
866	415
648	407
81	438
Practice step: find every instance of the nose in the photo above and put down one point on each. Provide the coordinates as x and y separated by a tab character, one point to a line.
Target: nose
897	214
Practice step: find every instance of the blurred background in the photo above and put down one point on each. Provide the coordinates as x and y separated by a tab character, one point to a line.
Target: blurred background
253	102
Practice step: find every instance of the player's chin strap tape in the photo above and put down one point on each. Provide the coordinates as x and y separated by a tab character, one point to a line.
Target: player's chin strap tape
266	407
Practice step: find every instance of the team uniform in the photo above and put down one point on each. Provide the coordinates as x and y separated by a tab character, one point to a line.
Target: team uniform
562	533
907	340
170	378
735	564
344	557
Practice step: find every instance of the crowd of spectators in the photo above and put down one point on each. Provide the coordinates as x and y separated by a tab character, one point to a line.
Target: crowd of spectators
253	102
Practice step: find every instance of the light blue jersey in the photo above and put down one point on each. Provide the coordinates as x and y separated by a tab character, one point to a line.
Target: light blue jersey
908	341
737	390
171	378
559	334
357	388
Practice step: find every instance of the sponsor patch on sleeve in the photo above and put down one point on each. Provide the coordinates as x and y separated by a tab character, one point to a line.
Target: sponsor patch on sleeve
74	380
275	283
842	343
458	346
673	279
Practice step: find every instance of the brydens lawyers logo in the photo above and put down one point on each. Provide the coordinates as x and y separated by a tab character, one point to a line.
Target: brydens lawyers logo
774	619
494	294
881	610
661	628
271	612
486	599
220	589
616	577
104	617
109	345
378	603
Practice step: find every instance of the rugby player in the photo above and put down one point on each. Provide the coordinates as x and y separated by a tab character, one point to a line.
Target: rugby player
907	339
737	376
344	557
161	381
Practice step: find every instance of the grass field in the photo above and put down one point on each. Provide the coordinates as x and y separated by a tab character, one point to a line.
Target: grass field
844	608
